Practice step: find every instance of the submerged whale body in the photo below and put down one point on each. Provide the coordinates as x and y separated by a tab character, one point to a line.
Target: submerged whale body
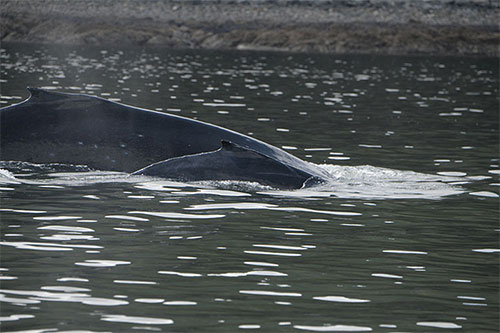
82	129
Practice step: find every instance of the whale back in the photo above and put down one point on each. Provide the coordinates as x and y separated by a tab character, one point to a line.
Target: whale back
88	130
229	162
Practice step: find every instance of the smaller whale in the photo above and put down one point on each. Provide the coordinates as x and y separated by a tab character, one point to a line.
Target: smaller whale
231	162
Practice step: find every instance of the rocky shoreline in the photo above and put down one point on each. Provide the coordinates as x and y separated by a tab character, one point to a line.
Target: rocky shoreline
423	27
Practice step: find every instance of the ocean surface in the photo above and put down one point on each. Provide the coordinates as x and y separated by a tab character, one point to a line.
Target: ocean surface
404	236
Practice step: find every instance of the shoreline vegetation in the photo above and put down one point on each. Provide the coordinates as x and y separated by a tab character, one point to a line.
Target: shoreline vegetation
392	27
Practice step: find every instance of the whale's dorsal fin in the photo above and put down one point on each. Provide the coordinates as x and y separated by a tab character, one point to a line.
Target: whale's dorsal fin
42	95
36	92
230	146
227	145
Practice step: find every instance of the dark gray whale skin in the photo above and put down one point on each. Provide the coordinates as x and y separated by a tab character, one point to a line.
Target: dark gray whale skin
231	162
55	127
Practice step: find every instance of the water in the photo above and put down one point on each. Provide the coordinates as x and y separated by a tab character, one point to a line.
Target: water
403	237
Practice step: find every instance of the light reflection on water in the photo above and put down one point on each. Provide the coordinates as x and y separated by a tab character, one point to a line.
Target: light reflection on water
407	225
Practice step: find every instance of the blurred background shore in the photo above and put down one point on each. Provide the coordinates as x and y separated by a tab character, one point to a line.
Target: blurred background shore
406	27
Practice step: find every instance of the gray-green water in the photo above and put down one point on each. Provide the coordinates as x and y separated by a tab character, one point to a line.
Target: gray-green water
404	237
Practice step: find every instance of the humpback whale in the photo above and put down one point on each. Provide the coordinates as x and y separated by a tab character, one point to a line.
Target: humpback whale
57	127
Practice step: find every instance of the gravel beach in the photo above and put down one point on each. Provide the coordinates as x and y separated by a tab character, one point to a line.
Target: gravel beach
421	27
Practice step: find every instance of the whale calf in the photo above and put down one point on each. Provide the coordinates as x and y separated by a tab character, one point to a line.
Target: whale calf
230	162
57	127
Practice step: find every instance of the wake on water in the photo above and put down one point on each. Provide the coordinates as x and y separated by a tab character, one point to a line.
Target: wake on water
352	182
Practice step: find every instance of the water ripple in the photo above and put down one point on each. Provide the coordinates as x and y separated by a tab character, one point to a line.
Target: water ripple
266	253
180	274
250	273
66	228
341	299
16	317
137	320
135	282
38	296
333	328
439	324
270	293
404	252
256	205
180	303
56	218
102	263
173	215
48	246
